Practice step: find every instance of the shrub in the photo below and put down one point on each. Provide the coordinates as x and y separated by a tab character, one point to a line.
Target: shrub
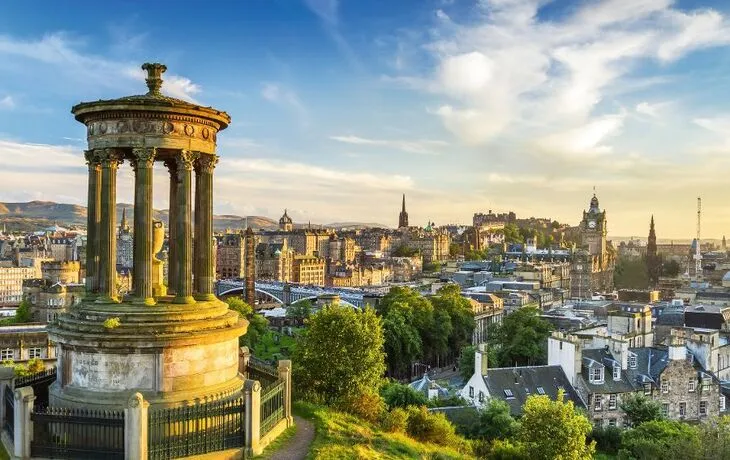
395	421
431	427
398	395
112	323
608	439
36	365
367	405
506	450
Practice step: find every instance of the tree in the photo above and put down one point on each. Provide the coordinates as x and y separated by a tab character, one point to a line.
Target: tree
398	395
466	362
640	409
23	313
631	273
520	338
670	268
402	340
715	438
554	430
495	421
661	439
301	309
461	316
257	324
340	355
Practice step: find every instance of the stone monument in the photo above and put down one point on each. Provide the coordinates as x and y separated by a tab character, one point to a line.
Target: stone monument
174	348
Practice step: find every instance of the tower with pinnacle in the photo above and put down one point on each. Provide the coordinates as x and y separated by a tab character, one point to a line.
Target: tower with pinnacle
403	216
653	264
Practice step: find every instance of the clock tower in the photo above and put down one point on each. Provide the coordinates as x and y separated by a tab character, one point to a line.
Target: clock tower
593	229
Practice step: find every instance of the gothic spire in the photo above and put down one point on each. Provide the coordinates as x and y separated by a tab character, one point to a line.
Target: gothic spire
404	203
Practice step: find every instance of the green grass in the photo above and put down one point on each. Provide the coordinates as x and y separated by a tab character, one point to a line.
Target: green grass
3	453
266	347
343	436
604	456
278	443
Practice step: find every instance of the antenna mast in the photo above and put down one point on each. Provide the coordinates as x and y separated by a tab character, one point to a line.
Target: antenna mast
698	251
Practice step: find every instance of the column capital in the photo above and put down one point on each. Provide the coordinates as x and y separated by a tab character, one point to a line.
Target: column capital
185	159
111	158
92	157
206	163
143	157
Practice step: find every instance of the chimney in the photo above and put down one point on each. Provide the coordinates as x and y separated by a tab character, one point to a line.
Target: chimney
677	349
480	359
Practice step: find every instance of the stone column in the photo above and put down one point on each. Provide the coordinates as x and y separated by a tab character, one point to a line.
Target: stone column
92	222
23	430
203	270
7	374
285	375
252	391
110	160
135	428
184	230
142	163
172	268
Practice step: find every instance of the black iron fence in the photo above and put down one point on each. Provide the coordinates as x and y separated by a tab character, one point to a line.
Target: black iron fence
77	433
40	383
272	406
9	411
260	370
199	429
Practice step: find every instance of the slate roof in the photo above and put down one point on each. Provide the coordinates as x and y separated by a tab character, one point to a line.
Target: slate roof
425	383
609	385
522	382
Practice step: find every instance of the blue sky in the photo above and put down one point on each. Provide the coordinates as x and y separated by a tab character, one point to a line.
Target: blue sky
338	107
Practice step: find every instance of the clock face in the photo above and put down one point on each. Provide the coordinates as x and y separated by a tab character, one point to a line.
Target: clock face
591	224
579	267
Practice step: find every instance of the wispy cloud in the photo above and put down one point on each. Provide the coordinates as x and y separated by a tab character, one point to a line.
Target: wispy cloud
279	94
328	13
422	146
7	103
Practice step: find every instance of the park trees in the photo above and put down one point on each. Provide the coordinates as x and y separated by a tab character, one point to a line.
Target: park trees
257	324
640	409
520	338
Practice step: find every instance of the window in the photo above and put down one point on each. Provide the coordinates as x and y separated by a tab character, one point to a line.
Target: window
616	372
632	361
705	384
647	388
682	409
703	408
471	392
612	400
665	386
722	403
561	344
540	390
481	396
597	403
691	384
508	393
597	374
612	422
34	353
665	409
7	354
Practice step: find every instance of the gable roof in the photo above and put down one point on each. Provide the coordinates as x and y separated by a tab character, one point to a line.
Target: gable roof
514	385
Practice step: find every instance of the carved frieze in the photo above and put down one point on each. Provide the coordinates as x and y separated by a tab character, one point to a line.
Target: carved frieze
183	128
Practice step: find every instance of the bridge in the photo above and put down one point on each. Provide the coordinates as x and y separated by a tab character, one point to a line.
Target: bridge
287	293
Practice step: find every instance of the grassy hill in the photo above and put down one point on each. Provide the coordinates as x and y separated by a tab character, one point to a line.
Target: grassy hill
342	436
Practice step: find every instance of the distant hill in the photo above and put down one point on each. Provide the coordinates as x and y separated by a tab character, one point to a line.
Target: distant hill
354	225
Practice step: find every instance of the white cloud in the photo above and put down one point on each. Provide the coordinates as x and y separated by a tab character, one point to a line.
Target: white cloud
278	94
325	9
7	103
587	140
424	146
646	108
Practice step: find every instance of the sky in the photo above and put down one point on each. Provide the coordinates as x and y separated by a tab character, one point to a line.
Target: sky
341	106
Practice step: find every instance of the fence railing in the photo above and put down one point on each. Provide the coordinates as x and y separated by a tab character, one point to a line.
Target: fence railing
9	411
77	433
272	406
260	370
40	383
198	429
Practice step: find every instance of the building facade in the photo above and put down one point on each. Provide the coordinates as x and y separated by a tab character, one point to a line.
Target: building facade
593	264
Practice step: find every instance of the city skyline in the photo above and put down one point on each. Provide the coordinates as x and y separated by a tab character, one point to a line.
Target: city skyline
464	106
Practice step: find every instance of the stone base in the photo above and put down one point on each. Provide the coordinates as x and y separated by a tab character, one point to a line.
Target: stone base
171	353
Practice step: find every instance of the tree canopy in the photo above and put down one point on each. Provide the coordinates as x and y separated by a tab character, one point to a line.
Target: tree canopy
257	324
340	355
640	409
661	439
520	339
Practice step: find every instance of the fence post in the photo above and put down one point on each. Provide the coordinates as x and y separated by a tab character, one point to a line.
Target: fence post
285	376
135	428
7	374
244	354
24	398
252	390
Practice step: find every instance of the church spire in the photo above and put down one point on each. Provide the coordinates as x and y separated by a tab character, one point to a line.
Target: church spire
123	226
403	216
404	203
653	263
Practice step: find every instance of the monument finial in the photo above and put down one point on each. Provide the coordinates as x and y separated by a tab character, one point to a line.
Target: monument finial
154	77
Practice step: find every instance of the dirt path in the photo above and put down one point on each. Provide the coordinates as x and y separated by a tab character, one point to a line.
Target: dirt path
297	447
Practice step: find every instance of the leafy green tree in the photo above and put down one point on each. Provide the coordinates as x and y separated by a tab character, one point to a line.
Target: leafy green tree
495	421
301	309
715	438
661	439
398	395
405	251
466	362
521	337
340	355
461	315
432	267
36	365
257	324
23	313
640	409
506	450
670	268
402	340
631	273
554	430
418	313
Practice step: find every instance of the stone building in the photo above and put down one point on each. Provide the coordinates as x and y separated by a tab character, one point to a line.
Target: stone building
285	223
49	299
230	259
406	269
61	272
308	270
11	284
487	311
593	264
125	249
274	261
403	216
23	342
310	242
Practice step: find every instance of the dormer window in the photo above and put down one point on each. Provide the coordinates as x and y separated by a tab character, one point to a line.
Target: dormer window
616	372
632	361
597	374
508	393
540	390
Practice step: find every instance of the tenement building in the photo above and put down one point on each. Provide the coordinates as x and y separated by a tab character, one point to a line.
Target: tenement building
230	259
593	263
